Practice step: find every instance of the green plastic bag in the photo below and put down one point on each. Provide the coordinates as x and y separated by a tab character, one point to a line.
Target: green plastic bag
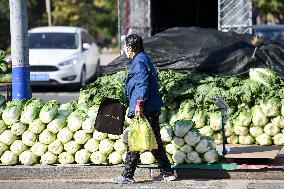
141	136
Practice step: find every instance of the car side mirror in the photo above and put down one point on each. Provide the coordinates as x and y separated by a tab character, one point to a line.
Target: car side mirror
86	46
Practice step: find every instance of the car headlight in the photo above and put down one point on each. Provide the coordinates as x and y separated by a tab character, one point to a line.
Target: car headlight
68	62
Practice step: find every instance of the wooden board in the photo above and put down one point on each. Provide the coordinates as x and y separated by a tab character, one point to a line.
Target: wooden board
253	151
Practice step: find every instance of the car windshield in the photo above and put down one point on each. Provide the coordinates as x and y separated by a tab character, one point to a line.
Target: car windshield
273	35
53	41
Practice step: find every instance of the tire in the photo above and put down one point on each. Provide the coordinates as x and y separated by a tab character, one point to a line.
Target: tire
83	80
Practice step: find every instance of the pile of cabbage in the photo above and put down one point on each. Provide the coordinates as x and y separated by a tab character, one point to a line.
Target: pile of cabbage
34	132
256	105
184	144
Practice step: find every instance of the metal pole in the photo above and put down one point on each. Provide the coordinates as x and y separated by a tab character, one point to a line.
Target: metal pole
224	151
48	11
19	49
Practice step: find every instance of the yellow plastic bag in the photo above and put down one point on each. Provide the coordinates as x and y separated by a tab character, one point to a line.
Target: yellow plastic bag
141	136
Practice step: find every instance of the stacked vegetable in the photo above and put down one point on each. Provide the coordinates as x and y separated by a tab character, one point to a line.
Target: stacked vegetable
35	132
184	144
5	69
256	103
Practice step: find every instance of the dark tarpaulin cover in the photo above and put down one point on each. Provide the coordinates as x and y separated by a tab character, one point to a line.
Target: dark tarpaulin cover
206	50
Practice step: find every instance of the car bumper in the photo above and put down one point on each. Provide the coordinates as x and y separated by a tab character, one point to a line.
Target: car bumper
68	75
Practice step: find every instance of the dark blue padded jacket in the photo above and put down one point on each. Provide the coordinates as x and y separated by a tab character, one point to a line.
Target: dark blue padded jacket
142	84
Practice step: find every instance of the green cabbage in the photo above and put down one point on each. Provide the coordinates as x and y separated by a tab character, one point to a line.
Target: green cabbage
244	118
264	76
186	110
178	142
218	138
229	128
115	158
282	107
75	119
8	158
192	157
37	126
211	156
271	129
29	138
89	124
66	158
234	139
255	131
186	148
3	148
49	111
178	157
246	140
57	124
166	133
106	146
55	147
66	109
171	148
17	147
7	137
99	135
239	130
48	158
92	145
27	158
192	138
124	156
39	149
279	139
263	140
215	121
81	137
113	137
3	127
98	158
12	112
181	127
18	128
31	110
206	131
147	158
199	119
71	147
46	137
120	146
271	108
202	146
278	121
82	156
258	117
163	117
92	112
65	135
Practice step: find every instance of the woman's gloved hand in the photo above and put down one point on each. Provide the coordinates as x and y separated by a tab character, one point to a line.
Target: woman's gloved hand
139	107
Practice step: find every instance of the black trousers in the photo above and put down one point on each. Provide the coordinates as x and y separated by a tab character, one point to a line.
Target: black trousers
132	158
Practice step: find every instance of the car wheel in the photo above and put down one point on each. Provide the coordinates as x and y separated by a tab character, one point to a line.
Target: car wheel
97	73
83	80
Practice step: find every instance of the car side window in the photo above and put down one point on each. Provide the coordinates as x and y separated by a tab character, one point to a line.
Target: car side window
84	36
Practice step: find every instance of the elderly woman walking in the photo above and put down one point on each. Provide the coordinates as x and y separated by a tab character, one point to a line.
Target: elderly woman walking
142	90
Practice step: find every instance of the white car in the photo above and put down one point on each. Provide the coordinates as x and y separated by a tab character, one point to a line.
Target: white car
62	55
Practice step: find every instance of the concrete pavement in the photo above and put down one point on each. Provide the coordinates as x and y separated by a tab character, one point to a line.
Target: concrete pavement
141	184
